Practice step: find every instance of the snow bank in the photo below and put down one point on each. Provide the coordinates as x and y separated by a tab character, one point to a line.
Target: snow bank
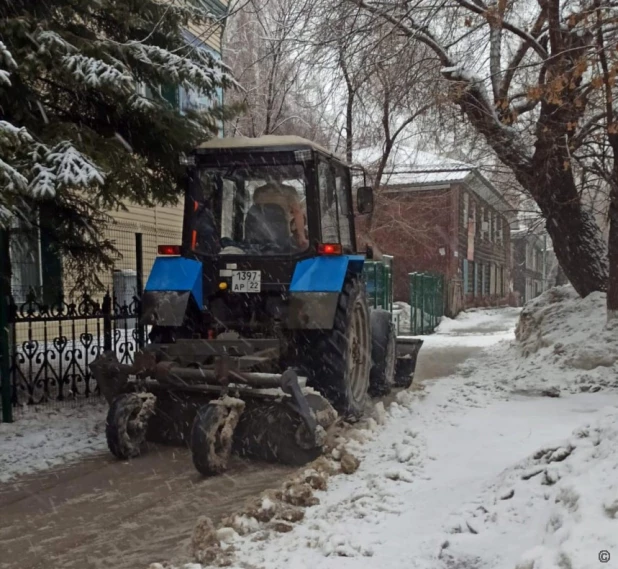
571	327
43	437
563	344
444	482
561	504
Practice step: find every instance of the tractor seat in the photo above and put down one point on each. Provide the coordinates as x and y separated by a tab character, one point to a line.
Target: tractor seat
267	223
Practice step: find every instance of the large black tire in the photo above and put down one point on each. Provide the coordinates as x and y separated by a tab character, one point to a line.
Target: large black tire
342	356
124	431
383	353
211	437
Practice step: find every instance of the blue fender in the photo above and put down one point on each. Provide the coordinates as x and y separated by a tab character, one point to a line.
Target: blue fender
325	274
176	274
173	281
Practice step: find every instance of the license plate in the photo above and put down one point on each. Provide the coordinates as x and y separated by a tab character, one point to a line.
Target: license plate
246	281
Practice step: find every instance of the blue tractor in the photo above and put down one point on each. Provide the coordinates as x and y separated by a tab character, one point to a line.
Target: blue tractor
260	331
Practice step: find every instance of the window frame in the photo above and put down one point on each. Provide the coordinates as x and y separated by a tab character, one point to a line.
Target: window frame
332	167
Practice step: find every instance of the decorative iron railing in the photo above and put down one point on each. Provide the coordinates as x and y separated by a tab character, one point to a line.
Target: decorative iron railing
53	345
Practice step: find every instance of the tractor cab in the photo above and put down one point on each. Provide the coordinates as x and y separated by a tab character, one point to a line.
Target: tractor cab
274	196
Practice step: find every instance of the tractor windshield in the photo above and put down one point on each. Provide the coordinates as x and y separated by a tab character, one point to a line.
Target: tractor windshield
250	209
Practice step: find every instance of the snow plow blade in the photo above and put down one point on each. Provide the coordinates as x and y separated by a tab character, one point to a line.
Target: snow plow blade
214	410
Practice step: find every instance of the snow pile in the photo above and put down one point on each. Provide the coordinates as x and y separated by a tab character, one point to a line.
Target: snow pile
561	504
572	327
563	344
408	504
43	437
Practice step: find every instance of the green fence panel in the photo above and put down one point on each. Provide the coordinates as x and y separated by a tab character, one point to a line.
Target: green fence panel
426	302
378	278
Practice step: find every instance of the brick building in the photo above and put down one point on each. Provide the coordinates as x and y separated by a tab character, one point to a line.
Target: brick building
443	216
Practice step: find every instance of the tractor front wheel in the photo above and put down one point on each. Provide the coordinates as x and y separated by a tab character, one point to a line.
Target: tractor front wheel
212	435
127	422
343	358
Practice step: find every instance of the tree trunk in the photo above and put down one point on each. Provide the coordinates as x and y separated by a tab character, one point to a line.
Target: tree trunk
577	238
5	262
578	247
612	287
349	126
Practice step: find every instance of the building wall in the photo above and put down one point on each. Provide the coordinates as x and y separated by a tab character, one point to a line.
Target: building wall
528	267
414	227
424	229
485	258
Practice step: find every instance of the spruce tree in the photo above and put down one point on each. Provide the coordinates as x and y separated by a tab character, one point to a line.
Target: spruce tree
84	126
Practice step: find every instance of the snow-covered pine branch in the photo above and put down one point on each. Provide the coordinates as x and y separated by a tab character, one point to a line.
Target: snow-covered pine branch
206	73
62	166
101	141
52	42
12	136
97	74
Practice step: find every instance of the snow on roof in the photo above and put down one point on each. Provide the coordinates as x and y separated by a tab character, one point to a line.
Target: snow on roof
410	166
261	142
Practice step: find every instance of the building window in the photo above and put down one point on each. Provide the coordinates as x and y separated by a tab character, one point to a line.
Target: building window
486	288
35	263
480	280
491	217
466	203
465	270
25	251
499	230
484	223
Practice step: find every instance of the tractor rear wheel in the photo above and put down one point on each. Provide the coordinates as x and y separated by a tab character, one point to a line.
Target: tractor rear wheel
341	365
383	353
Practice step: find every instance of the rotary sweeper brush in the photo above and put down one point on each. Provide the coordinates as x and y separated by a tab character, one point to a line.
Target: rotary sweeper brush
261	333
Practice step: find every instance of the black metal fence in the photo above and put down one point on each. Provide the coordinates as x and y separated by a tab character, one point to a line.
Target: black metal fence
48	341
53	345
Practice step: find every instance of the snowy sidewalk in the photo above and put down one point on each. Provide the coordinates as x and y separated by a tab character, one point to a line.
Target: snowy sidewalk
421	480
42	437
